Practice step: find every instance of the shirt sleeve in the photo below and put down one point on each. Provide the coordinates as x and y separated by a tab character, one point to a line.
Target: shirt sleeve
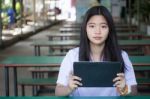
129	71
65	70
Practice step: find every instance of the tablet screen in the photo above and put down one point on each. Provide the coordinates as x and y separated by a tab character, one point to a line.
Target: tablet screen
97	74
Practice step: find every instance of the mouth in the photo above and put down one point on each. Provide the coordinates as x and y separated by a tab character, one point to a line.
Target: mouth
97	38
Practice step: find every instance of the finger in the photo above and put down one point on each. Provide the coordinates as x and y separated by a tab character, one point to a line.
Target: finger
75	86
121	75
77	78
120	86
74	79
117	83
117	79
77	83
72	85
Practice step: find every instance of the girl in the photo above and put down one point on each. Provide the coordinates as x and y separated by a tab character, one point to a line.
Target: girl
98	42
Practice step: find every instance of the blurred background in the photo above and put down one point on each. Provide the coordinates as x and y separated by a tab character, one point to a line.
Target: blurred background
24	22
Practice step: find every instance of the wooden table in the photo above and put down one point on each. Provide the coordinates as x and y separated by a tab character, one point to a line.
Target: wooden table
140	60
119	28
125	25
63	36
145	44
26	61
71	26
54	45
126	29
64	30
130	35
53	61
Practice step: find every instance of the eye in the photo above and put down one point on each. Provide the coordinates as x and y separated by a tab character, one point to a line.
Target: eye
91	26
104	26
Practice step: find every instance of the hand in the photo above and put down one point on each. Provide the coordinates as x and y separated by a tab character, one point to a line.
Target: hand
120	81
74	82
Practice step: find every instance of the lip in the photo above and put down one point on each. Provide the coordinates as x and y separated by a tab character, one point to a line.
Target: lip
97	38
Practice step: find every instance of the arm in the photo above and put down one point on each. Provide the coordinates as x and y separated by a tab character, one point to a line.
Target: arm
122	86
67	82
62	90
129	74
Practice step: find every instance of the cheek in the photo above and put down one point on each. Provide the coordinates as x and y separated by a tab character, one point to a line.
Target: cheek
89	33
106	35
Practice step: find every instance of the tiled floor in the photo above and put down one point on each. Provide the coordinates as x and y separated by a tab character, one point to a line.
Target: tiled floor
23	48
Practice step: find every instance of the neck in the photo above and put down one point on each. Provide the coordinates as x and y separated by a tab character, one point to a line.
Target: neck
97	52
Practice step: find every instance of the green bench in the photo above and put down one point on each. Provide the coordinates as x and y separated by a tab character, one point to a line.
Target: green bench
57	54
36	82
43	69
143	84
40	73
135	53
52	82
15	62
143	81
142	68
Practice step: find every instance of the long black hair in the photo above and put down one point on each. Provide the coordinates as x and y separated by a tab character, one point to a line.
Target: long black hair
112	52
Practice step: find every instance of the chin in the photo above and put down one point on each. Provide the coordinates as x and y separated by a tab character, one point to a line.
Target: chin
99	42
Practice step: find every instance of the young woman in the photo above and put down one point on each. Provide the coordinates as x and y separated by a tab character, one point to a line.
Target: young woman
98	42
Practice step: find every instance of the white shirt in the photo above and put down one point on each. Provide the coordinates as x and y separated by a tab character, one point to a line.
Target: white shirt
67	67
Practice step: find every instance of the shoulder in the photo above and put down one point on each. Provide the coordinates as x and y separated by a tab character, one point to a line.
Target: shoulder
124	54
74	51
126	58
73	54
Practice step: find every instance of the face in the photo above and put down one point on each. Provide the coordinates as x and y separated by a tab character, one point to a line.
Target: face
97	30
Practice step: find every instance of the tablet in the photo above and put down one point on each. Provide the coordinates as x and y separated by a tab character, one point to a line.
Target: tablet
97	74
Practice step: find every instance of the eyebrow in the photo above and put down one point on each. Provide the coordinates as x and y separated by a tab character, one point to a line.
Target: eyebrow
95	23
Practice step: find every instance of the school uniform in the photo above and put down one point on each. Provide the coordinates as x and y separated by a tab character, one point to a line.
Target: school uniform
67	67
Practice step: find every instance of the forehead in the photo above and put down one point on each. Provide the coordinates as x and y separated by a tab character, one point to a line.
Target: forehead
97	19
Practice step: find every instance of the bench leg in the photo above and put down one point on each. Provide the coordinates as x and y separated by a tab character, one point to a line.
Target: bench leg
33	87
22	90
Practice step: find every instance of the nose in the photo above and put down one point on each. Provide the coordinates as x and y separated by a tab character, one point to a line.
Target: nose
98	30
